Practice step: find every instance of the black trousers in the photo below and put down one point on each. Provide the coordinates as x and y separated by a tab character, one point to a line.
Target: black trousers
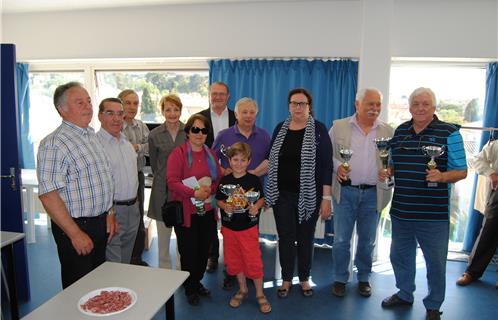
139	246
193	244
294	238
487	241
74	266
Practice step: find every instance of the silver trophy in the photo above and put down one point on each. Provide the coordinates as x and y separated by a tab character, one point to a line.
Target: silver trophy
228	190
252	197
224	150
383	147
346	155
433	152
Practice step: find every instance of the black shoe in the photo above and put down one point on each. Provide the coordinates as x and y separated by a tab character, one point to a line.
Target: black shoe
203	291
193	299
212	265
228	282
339	289
364	289
139	263
433	314
395	301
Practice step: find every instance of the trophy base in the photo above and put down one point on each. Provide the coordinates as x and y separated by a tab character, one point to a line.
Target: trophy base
346	183
387	185
430	184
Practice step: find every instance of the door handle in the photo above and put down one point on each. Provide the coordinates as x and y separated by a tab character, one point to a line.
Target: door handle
12	177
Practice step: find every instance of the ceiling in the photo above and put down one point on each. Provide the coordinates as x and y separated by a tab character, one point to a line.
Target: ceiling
13	6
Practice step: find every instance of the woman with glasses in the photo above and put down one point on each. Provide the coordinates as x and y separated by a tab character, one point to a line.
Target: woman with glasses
299	187
162	140
193	173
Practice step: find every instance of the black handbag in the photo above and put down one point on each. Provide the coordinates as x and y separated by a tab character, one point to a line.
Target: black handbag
172	212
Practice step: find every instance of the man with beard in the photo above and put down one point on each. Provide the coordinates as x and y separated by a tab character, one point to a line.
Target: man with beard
358	198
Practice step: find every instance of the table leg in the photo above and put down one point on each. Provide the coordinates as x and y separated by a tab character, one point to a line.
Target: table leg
30	236
11	282
170	308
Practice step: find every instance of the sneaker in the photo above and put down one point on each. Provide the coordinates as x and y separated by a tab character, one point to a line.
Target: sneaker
395	301
339	289
433	314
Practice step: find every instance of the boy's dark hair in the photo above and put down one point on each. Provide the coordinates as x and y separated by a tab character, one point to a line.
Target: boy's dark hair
241	148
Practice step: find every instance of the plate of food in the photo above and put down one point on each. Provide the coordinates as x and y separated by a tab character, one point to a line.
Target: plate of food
107	301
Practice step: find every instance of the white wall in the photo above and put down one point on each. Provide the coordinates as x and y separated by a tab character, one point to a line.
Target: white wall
422	28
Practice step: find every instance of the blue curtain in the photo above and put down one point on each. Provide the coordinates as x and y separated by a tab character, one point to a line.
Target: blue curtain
332	85
27	151
490	120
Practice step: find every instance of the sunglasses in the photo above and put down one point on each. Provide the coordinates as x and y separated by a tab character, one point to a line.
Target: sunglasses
197	130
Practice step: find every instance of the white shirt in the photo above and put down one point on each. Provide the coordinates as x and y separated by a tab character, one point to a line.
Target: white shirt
219	122
123	159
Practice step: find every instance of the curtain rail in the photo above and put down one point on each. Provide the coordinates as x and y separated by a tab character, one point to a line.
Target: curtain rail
480	128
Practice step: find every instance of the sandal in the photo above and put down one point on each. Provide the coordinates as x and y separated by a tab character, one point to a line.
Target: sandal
264	305
283	292
237	299
306	292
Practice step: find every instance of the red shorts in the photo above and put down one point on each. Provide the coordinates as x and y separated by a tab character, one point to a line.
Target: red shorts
242	253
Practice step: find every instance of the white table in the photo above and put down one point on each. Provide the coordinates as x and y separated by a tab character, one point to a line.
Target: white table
29	182
8	240
154	288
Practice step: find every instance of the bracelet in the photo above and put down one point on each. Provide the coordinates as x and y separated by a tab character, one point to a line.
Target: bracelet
327	198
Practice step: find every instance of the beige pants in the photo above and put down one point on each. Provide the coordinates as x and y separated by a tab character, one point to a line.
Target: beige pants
163	242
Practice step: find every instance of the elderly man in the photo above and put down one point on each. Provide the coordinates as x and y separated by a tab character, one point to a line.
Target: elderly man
138	133
245	130
220	117
486	164
420	206
75	185
123	159
361	199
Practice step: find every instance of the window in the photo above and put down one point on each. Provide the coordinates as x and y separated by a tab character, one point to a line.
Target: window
190	86
460	91
43	118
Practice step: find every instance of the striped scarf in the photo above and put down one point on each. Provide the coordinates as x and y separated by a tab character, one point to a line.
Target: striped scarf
307	190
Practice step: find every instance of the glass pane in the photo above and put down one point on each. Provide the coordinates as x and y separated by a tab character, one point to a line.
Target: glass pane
460	93
190	86
43	118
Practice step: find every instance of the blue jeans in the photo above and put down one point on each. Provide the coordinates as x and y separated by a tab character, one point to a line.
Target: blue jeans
360	207
432	236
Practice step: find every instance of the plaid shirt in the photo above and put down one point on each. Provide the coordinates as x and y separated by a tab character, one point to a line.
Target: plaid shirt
72	161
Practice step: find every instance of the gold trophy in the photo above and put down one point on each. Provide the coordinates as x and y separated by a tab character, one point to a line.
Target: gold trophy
433	152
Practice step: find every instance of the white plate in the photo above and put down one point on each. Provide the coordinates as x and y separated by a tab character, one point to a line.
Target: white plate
94	293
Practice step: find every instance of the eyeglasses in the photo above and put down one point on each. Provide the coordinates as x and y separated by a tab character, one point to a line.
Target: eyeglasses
204	131
112	113
302	104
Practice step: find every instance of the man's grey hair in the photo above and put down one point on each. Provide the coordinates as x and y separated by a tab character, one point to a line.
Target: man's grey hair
60	95
420	91
243	101
361	93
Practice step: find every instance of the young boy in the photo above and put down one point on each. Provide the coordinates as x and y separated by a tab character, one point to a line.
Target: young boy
240	232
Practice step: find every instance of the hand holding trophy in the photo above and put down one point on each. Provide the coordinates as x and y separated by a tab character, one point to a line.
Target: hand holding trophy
383	147
228	190
433	152
346	155
252	197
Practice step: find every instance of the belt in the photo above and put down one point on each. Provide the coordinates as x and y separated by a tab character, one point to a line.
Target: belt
126	202
84	219
363	186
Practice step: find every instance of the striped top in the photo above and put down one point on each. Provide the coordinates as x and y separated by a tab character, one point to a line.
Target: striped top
412	199
72	161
